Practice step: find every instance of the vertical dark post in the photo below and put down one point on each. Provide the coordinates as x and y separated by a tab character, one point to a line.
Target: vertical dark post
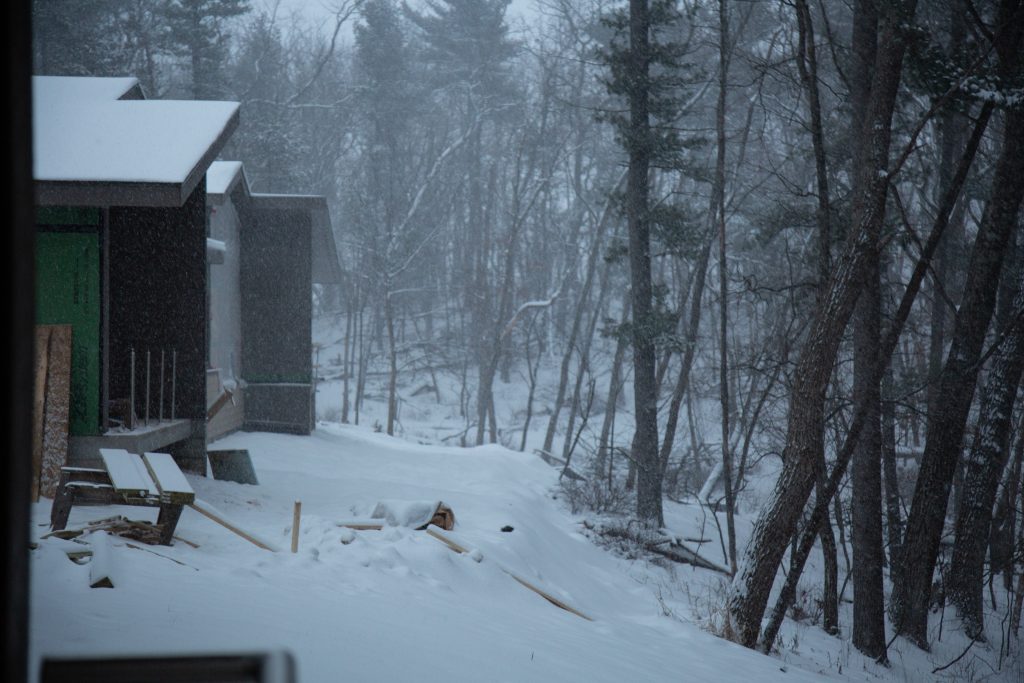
147	387
19	238
174	377
160	413
129	421
105	320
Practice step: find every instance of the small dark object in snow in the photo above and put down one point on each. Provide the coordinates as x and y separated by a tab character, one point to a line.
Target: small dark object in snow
232	465
506	528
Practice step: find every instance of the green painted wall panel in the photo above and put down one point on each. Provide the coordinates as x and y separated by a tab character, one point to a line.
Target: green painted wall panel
68	293
67	215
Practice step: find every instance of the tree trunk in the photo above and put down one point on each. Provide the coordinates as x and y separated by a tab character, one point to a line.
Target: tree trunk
389	319
830	585
947	422
723	281
983	467
894	523
645	399
614	387
802	548
577	320
868	545
346	361
689	351
869	604
778	519
583	367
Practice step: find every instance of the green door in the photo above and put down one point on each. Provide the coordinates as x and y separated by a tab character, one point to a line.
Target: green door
68	293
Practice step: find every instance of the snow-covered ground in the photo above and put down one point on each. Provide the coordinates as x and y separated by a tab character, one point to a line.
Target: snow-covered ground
390	605
398	605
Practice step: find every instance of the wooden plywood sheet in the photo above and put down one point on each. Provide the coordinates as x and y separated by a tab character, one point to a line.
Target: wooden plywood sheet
127	472
166	474
52	403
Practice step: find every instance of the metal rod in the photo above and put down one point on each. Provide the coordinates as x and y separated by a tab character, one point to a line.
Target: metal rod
129	420
174	377
161	413
147	387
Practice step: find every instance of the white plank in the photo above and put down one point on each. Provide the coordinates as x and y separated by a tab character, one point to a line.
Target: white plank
101	568
127	472
167	474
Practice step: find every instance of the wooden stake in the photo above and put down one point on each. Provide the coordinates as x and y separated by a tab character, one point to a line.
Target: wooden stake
296	515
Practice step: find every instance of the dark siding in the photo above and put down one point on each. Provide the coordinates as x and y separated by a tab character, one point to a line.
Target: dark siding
158	300
277	318
277	306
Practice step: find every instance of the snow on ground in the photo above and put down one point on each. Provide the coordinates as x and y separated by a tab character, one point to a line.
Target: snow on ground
390	605
396	604
681	593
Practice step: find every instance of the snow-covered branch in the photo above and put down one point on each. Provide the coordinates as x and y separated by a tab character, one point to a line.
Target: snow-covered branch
529	305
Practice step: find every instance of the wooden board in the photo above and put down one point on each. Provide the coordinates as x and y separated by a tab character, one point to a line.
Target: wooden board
101	569
203	509
222	400
39	405
362	524
127	472
459	548
52	403
171	483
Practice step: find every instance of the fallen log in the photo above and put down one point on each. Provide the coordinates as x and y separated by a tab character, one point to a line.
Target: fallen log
660	543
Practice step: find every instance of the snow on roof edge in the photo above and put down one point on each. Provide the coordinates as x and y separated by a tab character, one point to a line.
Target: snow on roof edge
92	88
106	176
223	176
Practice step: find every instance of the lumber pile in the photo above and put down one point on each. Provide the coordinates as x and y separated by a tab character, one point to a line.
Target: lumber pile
415	514
118	525
51	407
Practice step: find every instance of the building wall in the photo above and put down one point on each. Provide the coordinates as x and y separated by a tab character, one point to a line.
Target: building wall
225	295
277	318
158	302
68	276
225	358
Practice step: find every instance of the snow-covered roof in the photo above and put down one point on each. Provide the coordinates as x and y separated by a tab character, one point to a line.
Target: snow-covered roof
90	88
95	151
222	176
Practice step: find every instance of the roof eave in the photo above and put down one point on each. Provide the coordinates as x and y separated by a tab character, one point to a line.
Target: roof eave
123	193
198	172
107	193
326	268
